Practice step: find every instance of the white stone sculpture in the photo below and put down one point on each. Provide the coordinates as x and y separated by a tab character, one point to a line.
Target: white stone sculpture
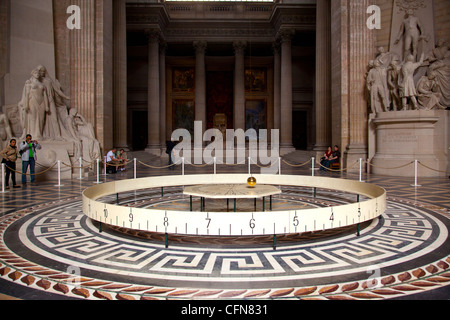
83	131
45	115
412	32
439	60
5	131
52	130
428	95
33	106
377	87
407	86
393	78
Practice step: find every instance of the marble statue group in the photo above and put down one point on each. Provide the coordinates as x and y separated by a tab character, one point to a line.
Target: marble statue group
413	80
43	113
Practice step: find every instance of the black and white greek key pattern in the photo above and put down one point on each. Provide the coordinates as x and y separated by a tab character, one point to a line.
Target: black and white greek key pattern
62	239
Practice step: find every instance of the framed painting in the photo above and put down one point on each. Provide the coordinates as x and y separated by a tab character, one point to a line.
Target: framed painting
256	80
183	80
183	114
255	114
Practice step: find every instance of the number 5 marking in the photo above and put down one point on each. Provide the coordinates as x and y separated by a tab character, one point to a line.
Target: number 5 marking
295	221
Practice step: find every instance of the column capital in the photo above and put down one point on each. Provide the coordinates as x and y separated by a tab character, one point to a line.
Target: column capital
200	46
163	47
239	46
153	35
285	34
276	48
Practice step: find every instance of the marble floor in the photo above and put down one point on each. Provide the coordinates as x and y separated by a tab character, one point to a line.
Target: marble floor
50	250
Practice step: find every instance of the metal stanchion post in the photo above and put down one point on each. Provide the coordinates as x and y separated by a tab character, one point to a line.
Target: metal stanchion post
249	163
3	178
98	171
182	166
59	174
215	163
81	169
105	174
360	170
135	168
279	165
415	175
312	166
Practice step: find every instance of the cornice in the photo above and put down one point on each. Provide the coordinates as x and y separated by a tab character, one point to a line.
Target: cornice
193	20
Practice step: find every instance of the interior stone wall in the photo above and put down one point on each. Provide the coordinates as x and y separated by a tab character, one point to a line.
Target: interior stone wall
4	30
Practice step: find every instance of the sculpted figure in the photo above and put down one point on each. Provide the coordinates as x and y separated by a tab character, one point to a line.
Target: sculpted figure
412	31
439	59
83	132
407	86
393	77
5	131
428	95
52	129
376	85
34	106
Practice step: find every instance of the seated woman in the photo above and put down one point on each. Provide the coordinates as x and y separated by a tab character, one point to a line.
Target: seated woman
335	157
326	155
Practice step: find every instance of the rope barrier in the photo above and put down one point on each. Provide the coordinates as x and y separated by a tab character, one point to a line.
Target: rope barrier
338	170
251	161
261	166
163	167
33	174
444	171
297	165
404	165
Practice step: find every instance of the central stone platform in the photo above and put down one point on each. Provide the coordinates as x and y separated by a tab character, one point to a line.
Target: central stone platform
231	191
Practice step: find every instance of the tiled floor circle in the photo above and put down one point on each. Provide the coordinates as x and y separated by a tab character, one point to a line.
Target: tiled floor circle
55	249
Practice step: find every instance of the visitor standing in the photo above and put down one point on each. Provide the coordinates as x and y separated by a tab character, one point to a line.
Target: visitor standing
27	150
9	155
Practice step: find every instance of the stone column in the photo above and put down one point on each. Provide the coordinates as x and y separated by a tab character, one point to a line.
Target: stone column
239	85
153	92
82	60
361	44
200	82
162	97
120	74
286	145
323	83
276	86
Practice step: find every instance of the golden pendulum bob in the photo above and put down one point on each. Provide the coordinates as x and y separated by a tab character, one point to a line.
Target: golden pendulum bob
251	181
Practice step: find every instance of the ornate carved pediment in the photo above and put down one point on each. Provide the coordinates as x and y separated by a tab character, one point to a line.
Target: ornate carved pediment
405	5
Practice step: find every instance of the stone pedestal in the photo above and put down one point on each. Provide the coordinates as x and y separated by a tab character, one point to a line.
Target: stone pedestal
404	136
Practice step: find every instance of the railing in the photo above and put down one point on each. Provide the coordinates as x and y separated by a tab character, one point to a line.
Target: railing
214	163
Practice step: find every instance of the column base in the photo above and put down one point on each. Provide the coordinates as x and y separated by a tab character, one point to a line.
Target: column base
352	156
284	150
154	150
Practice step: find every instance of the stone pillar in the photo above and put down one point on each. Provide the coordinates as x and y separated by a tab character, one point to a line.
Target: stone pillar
82	60
360	51
153	93
200	82
323	80
120	74
276	86
239	85
286	92
162	97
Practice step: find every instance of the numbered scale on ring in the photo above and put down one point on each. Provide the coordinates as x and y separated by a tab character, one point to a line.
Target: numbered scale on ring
233	223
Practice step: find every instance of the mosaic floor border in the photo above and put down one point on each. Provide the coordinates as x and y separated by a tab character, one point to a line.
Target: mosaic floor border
65	283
